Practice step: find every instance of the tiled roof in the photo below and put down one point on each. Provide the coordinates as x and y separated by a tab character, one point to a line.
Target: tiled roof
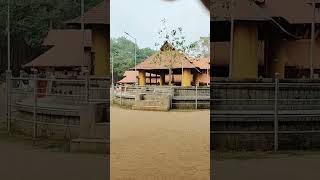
294	11
66	50
167	57
97	15
202	63
67	37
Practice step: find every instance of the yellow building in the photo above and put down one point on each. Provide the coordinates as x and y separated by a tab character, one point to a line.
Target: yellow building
170	67
264	38
98	21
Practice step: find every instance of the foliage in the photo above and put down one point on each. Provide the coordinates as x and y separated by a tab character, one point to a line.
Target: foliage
177	39
31	20
122	51
201	48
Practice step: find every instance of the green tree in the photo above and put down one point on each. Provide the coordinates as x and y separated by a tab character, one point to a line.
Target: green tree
122	50
177	39
201	48
31	20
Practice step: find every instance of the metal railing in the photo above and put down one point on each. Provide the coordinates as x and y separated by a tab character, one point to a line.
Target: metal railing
273	102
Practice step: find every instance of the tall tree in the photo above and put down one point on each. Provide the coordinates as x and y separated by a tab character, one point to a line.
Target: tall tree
31	20
177	39
122	51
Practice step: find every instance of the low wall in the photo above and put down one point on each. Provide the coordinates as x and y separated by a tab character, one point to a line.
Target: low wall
243	114
180	98
2	104
57	125
123	100
244	135
52	126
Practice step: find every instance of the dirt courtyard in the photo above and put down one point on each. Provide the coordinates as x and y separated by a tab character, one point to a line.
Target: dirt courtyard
149	145
20	160
267	166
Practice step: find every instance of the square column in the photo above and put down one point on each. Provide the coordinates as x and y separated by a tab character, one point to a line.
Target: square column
142	77
245	52
196	79
100	46
187	78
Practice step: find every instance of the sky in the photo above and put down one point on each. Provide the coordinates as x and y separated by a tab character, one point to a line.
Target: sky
142	19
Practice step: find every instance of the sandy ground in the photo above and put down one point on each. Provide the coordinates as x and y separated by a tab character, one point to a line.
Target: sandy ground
159	145
283	166
19	160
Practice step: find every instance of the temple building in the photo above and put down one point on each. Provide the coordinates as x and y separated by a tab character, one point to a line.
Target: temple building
64	54
266	37
65	47
155	70
98	21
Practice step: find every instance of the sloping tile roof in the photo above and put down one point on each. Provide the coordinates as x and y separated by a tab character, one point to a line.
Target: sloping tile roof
202	63
67	37
294	11
167	57
66	50
97	15
129	77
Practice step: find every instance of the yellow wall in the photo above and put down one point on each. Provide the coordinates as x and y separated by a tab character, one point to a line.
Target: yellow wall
245	52
187	78
100	47
142	78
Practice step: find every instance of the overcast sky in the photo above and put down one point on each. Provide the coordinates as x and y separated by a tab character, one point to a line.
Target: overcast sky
142	19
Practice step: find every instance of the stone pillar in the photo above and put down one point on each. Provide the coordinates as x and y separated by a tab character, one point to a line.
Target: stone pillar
142	77
278	59
196	79
150	79
187	78
100	47
245	52
162	79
